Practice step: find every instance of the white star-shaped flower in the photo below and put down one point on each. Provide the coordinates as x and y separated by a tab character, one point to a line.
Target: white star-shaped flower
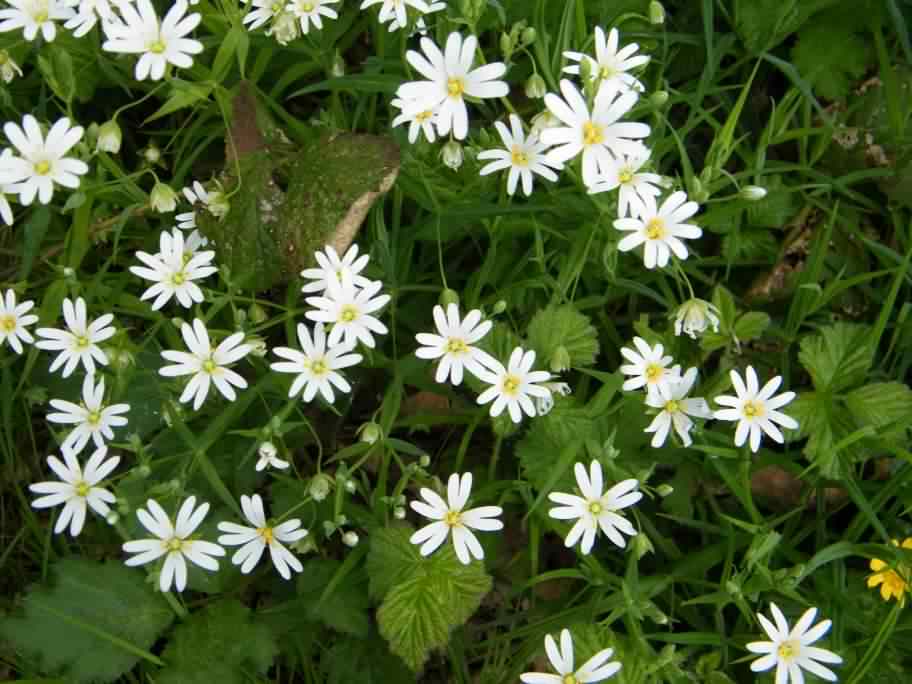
661	230
395	10
317	366
262	12
172	272
756	409
596	669
88	13
160	42
648	367
42	162
453	344
675	408
269	458
330	266
78	489
596	508
418	116
450	78
420	24
611	67
523	156
623	174
93	420
450	518
79	342
32	16
6	209
349	311
174	542
13	319
312	12
512	387
790	650
254	540
599	136
206	364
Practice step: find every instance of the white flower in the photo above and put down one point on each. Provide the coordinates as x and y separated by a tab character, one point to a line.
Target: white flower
331	267
660	229
512	386
449	517
596	669
13	319
648	368
173	541
269	458
193	244
172	273
451	77
419	117
159	42
77	490
88	13
32	16
349	309
599	136
215	201
186	220
453	344
206	364
523	156
263	11
695	316
674	408
543	405
611	66
755	409
79	342
316	366
311	11
285	28
544	120
42	162
633	187
254	540
420	24
790	651
93	420
595	508
395	10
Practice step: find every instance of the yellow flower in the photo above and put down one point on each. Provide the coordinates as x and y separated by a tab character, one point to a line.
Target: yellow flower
893	582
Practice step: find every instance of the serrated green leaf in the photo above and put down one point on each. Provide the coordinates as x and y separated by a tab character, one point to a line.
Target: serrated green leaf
751	325
838	357
830	55
219	643
345	609
881	404
92	624
425	598
563	326
548	436
365	661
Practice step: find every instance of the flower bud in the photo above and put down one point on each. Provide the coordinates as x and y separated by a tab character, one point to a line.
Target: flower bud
351	486
499	307
328	527
267	450
257	346
452	155
8	68
143	470
109	137
698	192
152	154
659	98
163	199
642	545
319	486
656	13
370	432
424	461
112	517
585	70
350	539
664	490
341	520
136	445
752	193
399	513
560	360
448	297
218	204
528	36
257	314
69	273
337	70
694	317
535	87
120	359
305	545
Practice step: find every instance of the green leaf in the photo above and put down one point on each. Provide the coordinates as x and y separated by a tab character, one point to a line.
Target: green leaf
183	94
345	609
548	436
236	40
57	68
220	643
838	357
831	55
819	419
425	598
365	661
94	623
34	231
751	325
563	326
881	404
763	24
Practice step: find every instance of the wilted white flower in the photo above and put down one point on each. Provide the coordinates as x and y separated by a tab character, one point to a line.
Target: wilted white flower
79	342
285	28
78	489
93	420
450	518
256	539
317	366
269	458
648	367
674	408
215	201
694	316
8	67
661	230
755	409
453	344
596	669
13	320
611	67
543	405
523	156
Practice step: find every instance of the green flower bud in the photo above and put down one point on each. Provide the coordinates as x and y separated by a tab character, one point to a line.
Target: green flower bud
399	513
370	432
257	314
659	98
499	307
752	193
452	155
424	461
656	13
338	66
448	297
560	360
109	137
641	545
152	154
535	87
528	36
506	45
350	539
320	486
163	199
694	317
664	490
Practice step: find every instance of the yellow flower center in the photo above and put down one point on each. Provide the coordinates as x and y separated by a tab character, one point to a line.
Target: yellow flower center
569	679
455	87
82	488
672	406
511	385
276	7
319	367
41	16
93	418
43	167
453	518
7	323
157	46
625	176
421	117
607	71
456	346
307	6
267	534
82	341
178	278
174	544
519	156
752	409
595	508
209	366
655	229
348	314
788	650
592	134
654	372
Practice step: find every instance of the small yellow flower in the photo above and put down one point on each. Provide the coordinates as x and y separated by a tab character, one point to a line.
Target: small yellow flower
893	582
